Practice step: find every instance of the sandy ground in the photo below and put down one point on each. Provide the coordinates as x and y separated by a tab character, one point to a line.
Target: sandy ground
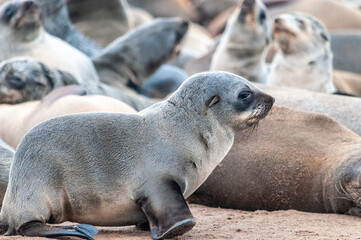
217	223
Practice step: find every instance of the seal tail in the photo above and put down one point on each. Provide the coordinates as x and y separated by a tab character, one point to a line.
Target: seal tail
84	231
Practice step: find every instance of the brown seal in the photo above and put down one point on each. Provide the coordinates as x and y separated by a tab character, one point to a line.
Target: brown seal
294	160
76	157
60	102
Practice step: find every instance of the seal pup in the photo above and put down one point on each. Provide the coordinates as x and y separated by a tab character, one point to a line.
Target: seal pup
24	79
23	35
90	17
296	160
56	21
131	60
6	157
247	35
304	59
60	102
195	126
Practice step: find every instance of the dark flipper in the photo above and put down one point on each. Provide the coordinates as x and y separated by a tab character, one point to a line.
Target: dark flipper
166	209
42	230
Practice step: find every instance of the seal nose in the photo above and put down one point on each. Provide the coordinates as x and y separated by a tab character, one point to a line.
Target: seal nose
269	99
28	4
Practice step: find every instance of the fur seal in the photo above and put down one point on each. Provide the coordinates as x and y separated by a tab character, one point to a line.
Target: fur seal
23	35
242	46
90	17
209	106
56	21
296	160
131	60
60	102
304	59
24	79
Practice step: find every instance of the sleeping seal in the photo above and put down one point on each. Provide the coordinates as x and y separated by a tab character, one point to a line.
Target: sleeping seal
242	46
296	160
23	35
304	59
92	169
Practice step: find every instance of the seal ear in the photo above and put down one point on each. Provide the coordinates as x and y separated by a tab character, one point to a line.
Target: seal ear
324	37
213	101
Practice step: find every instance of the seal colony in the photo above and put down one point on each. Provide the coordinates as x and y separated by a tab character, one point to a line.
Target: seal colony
193	129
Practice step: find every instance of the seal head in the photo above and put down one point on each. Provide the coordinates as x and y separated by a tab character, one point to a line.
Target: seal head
25	79
24	19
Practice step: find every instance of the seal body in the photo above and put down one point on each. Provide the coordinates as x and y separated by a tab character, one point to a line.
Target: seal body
304	59
60	102
196	127
131	60
24	79
243	43
295	160
23	35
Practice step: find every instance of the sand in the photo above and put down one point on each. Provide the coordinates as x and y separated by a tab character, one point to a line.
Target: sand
217	223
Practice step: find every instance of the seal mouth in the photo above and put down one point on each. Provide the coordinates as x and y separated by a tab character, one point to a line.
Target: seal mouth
30	16
259	113
279	29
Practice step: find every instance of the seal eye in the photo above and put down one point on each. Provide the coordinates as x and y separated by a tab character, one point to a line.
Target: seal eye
17	83
244	95
9	12
262	16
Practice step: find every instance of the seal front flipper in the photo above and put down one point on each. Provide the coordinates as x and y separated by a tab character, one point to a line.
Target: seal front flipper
167	211
40	229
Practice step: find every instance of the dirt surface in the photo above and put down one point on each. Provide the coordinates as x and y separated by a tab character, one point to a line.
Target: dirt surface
217	223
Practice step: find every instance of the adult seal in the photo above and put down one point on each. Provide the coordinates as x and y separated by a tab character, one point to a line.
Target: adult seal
296	160
22	34
242	46
77	157
304	59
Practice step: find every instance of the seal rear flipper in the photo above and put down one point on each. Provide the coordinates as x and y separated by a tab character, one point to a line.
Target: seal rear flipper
40	229
167	211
